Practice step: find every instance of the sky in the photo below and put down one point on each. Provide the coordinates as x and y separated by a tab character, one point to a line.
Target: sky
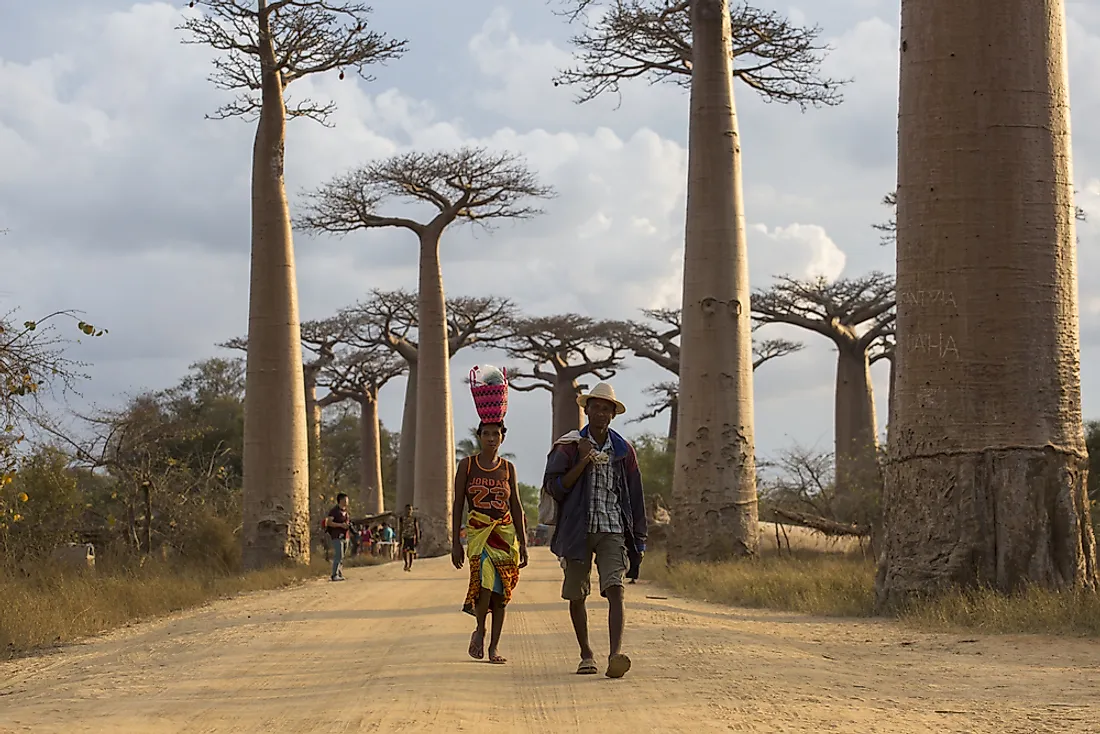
121	200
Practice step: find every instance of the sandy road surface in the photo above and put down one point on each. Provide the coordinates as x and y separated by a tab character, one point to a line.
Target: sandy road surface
385	652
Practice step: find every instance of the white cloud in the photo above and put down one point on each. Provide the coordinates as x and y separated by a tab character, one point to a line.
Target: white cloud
798	250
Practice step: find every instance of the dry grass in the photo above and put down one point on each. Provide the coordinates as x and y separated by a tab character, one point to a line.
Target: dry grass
1034	611
62	607
833	585
827	585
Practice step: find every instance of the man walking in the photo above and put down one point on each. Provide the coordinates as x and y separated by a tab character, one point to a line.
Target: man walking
593	475
409	528
337	524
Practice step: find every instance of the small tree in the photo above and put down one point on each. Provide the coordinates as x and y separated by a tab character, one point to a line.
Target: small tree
32	364
359	376
389	318
562	350
267	45
853	314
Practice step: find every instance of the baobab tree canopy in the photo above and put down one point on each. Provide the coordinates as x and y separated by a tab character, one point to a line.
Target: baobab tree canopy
560	351
308	37
651	39
473	184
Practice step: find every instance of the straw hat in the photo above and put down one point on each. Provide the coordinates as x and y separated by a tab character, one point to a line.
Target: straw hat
602	391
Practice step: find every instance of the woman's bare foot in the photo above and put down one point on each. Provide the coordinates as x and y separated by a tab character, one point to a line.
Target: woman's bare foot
477	645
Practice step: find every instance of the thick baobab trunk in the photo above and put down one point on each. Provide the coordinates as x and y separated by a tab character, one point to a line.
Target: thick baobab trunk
714	486
858	479
890	397
434	448
567	415
987	471
275	496
370	457
406	449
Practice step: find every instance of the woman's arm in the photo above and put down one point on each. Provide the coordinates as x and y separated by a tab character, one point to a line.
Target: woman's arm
519	518
459	502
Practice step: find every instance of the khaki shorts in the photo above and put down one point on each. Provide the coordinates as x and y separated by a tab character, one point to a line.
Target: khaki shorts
611	563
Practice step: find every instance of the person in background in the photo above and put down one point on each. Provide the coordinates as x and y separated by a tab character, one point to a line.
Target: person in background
410	536
389	537
339	521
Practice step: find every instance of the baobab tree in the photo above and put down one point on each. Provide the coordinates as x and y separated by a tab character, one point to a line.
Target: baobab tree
560	351
660	345
390	319
467	185
986	483
265	46
852	313
701	44
359	375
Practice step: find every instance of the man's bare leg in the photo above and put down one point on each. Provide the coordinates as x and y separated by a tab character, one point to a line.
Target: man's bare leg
579	614
498	627
616	616
617	663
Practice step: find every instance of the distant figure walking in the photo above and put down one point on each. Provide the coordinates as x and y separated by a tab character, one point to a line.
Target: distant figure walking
594	477
337	524
496	541
409	529
389	541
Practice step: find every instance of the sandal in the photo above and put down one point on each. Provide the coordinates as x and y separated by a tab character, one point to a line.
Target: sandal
496	659
617	665
587	667
477	646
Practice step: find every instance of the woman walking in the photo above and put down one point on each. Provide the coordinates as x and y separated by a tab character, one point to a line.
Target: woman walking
496	537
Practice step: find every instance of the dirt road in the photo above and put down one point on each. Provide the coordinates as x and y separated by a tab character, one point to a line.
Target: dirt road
386	652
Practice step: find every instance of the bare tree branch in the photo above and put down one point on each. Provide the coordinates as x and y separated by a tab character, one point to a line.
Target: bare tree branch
359	374
651	39
660	344
804	482
309	37
33	364
389	318
470	184
665	396
569	346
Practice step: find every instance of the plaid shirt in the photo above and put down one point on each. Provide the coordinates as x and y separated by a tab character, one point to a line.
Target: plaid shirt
604	512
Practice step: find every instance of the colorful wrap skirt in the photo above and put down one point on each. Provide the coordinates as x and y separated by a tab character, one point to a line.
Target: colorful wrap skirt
493	550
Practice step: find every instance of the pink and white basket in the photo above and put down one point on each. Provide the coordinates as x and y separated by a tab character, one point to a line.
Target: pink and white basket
490	401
